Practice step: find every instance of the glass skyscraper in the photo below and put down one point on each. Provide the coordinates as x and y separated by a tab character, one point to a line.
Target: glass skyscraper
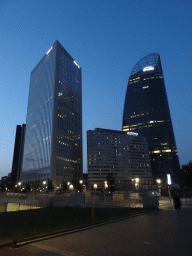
146	111
53	142
18	154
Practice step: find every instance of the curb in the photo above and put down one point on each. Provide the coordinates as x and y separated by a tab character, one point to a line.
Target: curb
28	240
10	243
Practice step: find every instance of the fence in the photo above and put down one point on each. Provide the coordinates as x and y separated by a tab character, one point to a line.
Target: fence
40	200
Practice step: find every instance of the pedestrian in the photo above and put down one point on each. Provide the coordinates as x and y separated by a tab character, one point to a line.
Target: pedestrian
177	202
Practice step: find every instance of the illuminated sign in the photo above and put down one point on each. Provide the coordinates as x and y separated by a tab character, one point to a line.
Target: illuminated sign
49	50
76	64
168	179
148	68
132	133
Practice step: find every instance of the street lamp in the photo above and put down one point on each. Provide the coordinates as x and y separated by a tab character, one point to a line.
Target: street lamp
19	184
136	183
44	183
159	186
169	183
95	186
81	181
137	180
71	187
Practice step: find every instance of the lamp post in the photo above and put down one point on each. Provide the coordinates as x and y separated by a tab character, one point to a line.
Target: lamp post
105	185
70	187
19	184
136	183
169	183
159	185
44	183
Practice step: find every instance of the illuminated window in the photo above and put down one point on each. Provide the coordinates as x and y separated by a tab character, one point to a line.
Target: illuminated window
166	150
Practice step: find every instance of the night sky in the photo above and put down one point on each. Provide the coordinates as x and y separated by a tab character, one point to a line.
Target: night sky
106	38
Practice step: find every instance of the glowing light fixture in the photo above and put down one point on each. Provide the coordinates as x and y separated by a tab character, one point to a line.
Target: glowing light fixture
148	68
49	50
132	133
71	187
76	64
168	179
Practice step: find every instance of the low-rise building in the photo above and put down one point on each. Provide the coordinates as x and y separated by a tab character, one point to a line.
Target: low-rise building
123	154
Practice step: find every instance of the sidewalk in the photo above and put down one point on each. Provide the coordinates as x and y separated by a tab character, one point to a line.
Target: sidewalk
21	242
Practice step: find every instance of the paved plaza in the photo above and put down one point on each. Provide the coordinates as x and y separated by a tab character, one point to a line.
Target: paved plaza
166	232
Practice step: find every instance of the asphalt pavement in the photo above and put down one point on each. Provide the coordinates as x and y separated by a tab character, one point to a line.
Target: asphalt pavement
165	232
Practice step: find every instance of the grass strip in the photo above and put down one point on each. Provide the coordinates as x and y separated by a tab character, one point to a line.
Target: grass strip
22	224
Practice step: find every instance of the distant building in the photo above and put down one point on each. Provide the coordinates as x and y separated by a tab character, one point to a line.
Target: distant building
18	153
5	182
125	155
146	111
53	142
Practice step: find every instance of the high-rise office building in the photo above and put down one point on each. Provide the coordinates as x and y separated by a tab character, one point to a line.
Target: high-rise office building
53	142
123	154
146	111
18	153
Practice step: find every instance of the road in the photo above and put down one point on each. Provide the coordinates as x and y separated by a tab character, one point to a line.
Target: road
166	232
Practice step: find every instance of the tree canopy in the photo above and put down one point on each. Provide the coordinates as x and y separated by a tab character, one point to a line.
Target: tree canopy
111	182
185	176
77	185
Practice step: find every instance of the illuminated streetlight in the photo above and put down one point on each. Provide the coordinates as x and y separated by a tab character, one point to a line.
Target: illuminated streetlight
137	180
71	187
95	186
44	182
158	181
80	181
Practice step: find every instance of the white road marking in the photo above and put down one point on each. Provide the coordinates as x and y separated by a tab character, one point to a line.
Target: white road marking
55	250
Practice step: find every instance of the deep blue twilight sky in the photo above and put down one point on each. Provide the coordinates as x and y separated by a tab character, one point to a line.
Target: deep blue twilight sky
106	38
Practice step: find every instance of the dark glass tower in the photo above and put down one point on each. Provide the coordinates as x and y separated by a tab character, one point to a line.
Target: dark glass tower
53	143
146	111
18	153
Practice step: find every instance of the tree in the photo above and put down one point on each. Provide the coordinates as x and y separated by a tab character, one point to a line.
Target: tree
111	183
64	185
28	187
77	185
2	188
185	176
50	185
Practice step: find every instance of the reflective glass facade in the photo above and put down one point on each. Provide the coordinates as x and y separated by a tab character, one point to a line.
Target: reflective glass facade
18	153
146	111
53	143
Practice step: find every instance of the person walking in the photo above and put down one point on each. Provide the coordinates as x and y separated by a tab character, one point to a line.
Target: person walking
177	202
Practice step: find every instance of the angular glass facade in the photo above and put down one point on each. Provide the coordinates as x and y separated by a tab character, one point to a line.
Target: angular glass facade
53	143
18	154
146	111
